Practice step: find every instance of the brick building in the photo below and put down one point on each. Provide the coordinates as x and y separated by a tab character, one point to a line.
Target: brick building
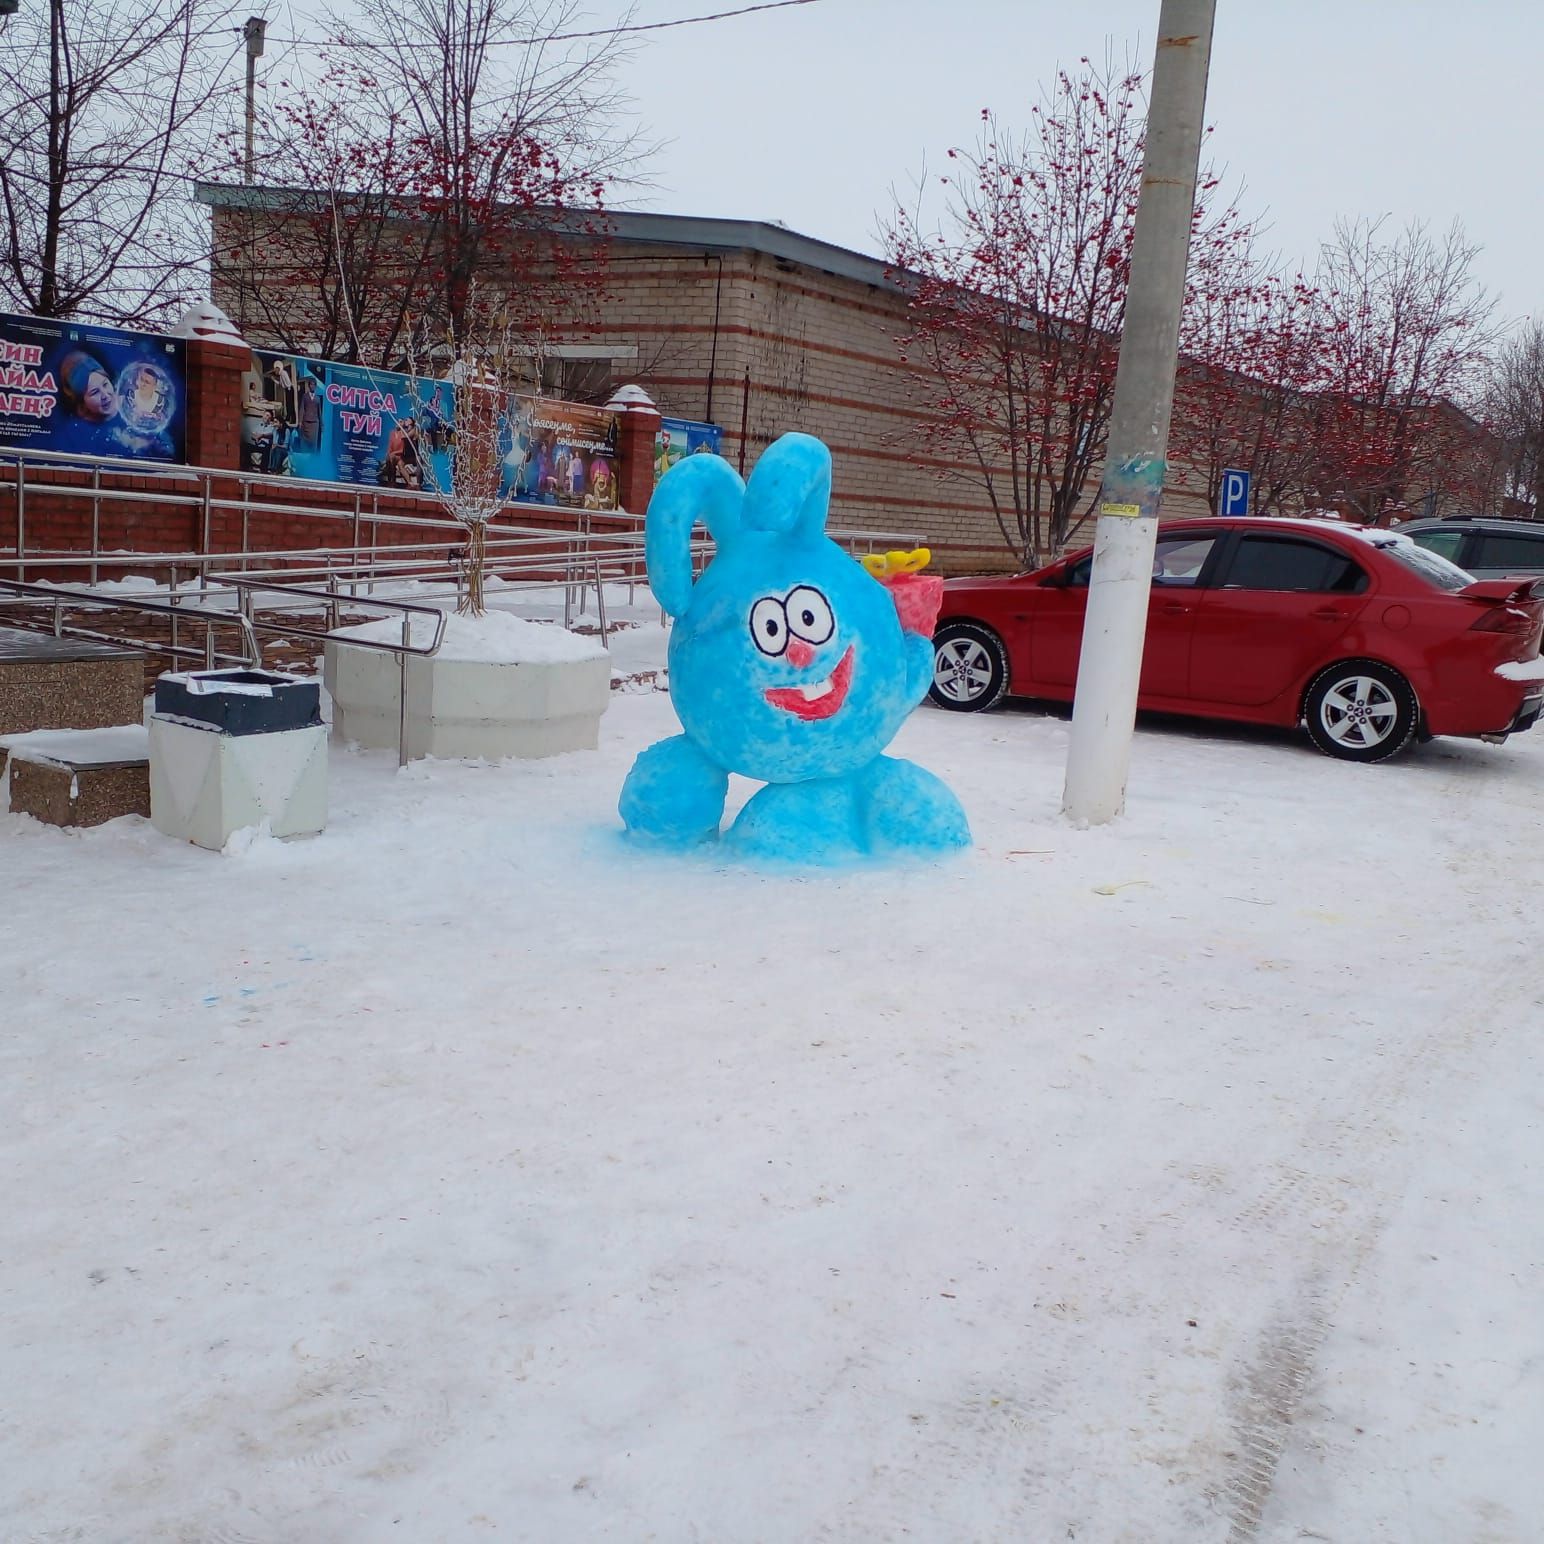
747	325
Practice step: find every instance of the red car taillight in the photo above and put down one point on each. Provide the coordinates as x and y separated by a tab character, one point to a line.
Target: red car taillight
1504	619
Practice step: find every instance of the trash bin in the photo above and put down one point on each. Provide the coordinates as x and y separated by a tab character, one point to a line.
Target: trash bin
230	749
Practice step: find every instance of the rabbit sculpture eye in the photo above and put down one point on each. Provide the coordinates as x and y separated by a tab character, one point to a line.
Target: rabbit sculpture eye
790	664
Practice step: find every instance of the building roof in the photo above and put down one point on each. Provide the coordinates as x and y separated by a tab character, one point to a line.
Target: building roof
691	232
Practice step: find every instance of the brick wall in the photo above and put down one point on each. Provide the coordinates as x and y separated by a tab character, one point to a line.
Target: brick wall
800	348
756	343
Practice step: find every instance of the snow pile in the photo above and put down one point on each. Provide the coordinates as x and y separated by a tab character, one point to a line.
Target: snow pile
461	1172
496	637
1522	670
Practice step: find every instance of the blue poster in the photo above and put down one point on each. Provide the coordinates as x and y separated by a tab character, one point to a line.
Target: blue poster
332	422
91	390
678	437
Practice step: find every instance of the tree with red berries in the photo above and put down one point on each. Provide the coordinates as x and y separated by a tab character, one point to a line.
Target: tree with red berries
1018	293
1249	350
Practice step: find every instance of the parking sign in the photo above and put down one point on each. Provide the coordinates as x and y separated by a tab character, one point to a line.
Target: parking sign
1235	493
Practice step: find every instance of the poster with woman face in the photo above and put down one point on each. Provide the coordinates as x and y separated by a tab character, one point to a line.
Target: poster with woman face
92	390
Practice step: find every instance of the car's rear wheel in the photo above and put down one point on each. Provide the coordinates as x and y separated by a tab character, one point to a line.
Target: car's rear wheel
1361	711
970	667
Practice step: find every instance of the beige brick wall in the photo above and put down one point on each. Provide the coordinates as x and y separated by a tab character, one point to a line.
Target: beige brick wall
743	337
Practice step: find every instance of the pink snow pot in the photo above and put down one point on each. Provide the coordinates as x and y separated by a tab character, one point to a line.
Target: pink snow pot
917	596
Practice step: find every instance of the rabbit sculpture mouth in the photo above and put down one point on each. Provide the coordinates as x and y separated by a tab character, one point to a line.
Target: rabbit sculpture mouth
816	699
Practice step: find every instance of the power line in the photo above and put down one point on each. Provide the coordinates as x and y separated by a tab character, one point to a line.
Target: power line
655	26
599	32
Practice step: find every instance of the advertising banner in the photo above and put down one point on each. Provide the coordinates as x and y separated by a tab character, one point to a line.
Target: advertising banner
560	453
344	423
677	437
91	390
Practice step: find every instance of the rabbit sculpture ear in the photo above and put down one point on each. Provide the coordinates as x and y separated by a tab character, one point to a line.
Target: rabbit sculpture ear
790	489
703	488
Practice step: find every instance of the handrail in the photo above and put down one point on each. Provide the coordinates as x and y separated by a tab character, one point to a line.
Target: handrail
584	527
244	618
246	589
58	595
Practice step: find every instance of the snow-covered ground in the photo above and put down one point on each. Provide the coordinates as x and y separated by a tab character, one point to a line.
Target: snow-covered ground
462	1173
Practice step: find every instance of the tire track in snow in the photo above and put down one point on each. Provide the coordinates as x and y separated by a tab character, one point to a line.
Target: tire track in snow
1344	1217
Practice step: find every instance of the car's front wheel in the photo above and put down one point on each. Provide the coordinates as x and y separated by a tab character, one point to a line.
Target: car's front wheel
970	667
1361	711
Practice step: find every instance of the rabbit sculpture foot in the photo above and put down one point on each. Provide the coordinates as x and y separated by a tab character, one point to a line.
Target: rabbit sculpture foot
887	807
674	796
789	664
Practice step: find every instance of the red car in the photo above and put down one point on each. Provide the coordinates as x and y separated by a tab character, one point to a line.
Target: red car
1359	633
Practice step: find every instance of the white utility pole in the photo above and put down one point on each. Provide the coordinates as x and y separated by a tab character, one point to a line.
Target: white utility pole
1115	626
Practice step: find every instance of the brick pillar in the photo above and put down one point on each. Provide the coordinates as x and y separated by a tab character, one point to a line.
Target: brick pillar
637	422
214	402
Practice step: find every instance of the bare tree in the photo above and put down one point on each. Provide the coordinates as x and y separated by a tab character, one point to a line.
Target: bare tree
508	132
1406	329
1514	407
105	106
488	364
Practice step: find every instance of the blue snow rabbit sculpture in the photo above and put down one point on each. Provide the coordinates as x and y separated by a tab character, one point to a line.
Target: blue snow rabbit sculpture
788	664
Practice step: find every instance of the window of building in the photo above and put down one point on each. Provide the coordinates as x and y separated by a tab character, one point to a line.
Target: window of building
577	380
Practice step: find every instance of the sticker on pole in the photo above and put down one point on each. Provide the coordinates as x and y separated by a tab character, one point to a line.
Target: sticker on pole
1125	511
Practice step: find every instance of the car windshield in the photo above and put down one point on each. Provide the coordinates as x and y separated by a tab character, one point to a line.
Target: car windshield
1431	566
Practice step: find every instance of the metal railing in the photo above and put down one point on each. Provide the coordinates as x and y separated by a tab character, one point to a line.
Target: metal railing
588	551
202	488
44	605
47	616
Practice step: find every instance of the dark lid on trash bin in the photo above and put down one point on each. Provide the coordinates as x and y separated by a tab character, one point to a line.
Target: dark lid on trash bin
239	701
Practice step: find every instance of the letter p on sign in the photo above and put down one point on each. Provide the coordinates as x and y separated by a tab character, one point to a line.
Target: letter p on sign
1235	493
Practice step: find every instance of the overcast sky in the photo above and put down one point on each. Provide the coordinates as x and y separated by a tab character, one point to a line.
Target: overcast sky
812	113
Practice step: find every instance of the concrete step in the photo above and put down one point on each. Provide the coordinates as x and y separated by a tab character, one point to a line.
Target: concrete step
78	777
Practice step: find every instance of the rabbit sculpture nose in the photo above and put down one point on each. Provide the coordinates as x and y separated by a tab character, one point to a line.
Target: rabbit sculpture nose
800	653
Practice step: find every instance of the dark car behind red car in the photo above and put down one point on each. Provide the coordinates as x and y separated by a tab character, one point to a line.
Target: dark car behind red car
1364	636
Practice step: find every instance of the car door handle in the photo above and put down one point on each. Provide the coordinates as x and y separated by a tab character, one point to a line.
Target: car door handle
1328	614
1173	609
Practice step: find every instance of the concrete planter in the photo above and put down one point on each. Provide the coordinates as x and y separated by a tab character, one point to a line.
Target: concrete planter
478	708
